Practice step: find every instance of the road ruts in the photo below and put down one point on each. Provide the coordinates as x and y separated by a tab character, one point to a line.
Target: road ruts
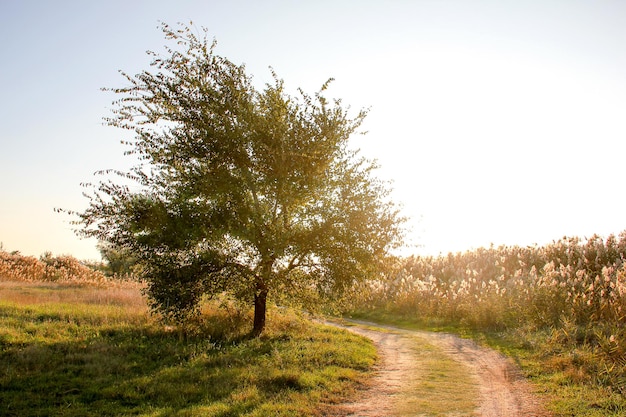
503	390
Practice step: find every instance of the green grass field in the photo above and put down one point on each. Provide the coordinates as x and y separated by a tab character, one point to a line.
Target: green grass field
81	351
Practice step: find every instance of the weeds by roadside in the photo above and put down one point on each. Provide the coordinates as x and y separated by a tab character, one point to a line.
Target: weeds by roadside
563	305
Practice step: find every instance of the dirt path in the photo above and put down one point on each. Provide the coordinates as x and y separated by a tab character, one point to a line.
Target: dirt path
503	392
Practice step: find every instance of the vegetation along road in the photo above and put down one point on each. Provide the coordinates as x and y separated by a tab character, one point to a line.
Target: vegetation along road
425	373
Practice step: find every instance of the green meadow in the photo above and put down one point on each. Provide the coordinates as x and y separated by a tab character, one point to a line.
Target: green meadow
80	350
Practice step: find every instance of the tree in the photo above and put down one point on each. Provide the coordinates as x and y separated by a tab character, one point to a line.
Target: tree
119	261
238	190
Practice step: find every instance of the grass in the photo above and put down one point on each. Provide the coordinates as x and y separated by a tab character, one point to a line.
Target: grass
562	371
84	351
440	387
556	369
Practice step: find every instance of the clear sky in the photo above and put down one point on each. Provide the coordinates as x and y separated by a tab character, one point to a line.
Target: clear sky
498	122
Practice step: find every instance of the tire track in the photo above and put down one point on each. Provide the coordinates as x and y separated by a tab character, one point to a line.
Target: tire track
503	390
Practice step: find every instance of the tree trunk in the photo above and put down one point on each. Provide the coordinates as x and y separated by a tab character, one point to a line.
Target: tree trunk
260	308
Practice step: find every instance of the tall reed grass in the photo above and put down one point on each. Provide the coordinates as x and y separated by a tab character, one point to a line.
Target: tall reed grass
573	289
58	269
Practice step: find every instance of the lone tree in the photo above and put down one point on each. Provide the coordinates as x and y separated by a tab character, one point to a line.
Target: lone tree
253	193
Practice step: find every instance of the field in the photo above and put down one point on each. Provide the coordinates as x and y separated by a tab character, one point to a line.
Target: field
79	345
559	310
75	342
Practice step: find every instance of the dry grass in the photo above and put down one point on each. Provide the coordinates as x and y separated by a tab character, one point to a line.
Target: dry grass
64	269
33	292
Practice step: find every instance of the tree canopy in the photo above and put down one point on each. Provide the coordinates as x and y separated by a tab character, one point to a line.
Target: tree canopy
252	192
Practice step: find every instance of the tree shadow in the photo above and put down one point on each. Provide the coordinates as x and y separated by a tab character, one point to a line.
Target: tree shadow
122	371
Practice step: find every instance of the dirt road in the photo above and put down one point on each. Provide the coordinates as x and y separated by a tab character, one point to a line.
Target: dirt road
498	387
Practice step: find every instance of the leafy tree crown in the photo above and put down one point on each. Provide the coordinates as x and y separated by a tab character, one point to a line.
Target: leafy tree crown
237	189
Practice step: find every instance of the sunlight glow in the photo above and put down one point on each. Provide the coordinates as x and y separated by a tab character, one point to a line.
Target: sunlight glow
497	122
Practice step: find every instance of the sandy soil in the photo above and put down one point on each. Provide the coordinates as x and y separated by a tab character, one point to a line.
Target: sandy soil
503	391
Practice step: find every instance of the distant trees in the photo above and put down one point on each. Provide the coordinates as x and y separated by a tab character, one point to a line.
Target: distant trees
118	261
239	190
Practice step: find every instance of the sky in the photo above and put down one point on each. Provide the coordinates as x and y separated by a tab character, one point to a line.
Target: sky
497	122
